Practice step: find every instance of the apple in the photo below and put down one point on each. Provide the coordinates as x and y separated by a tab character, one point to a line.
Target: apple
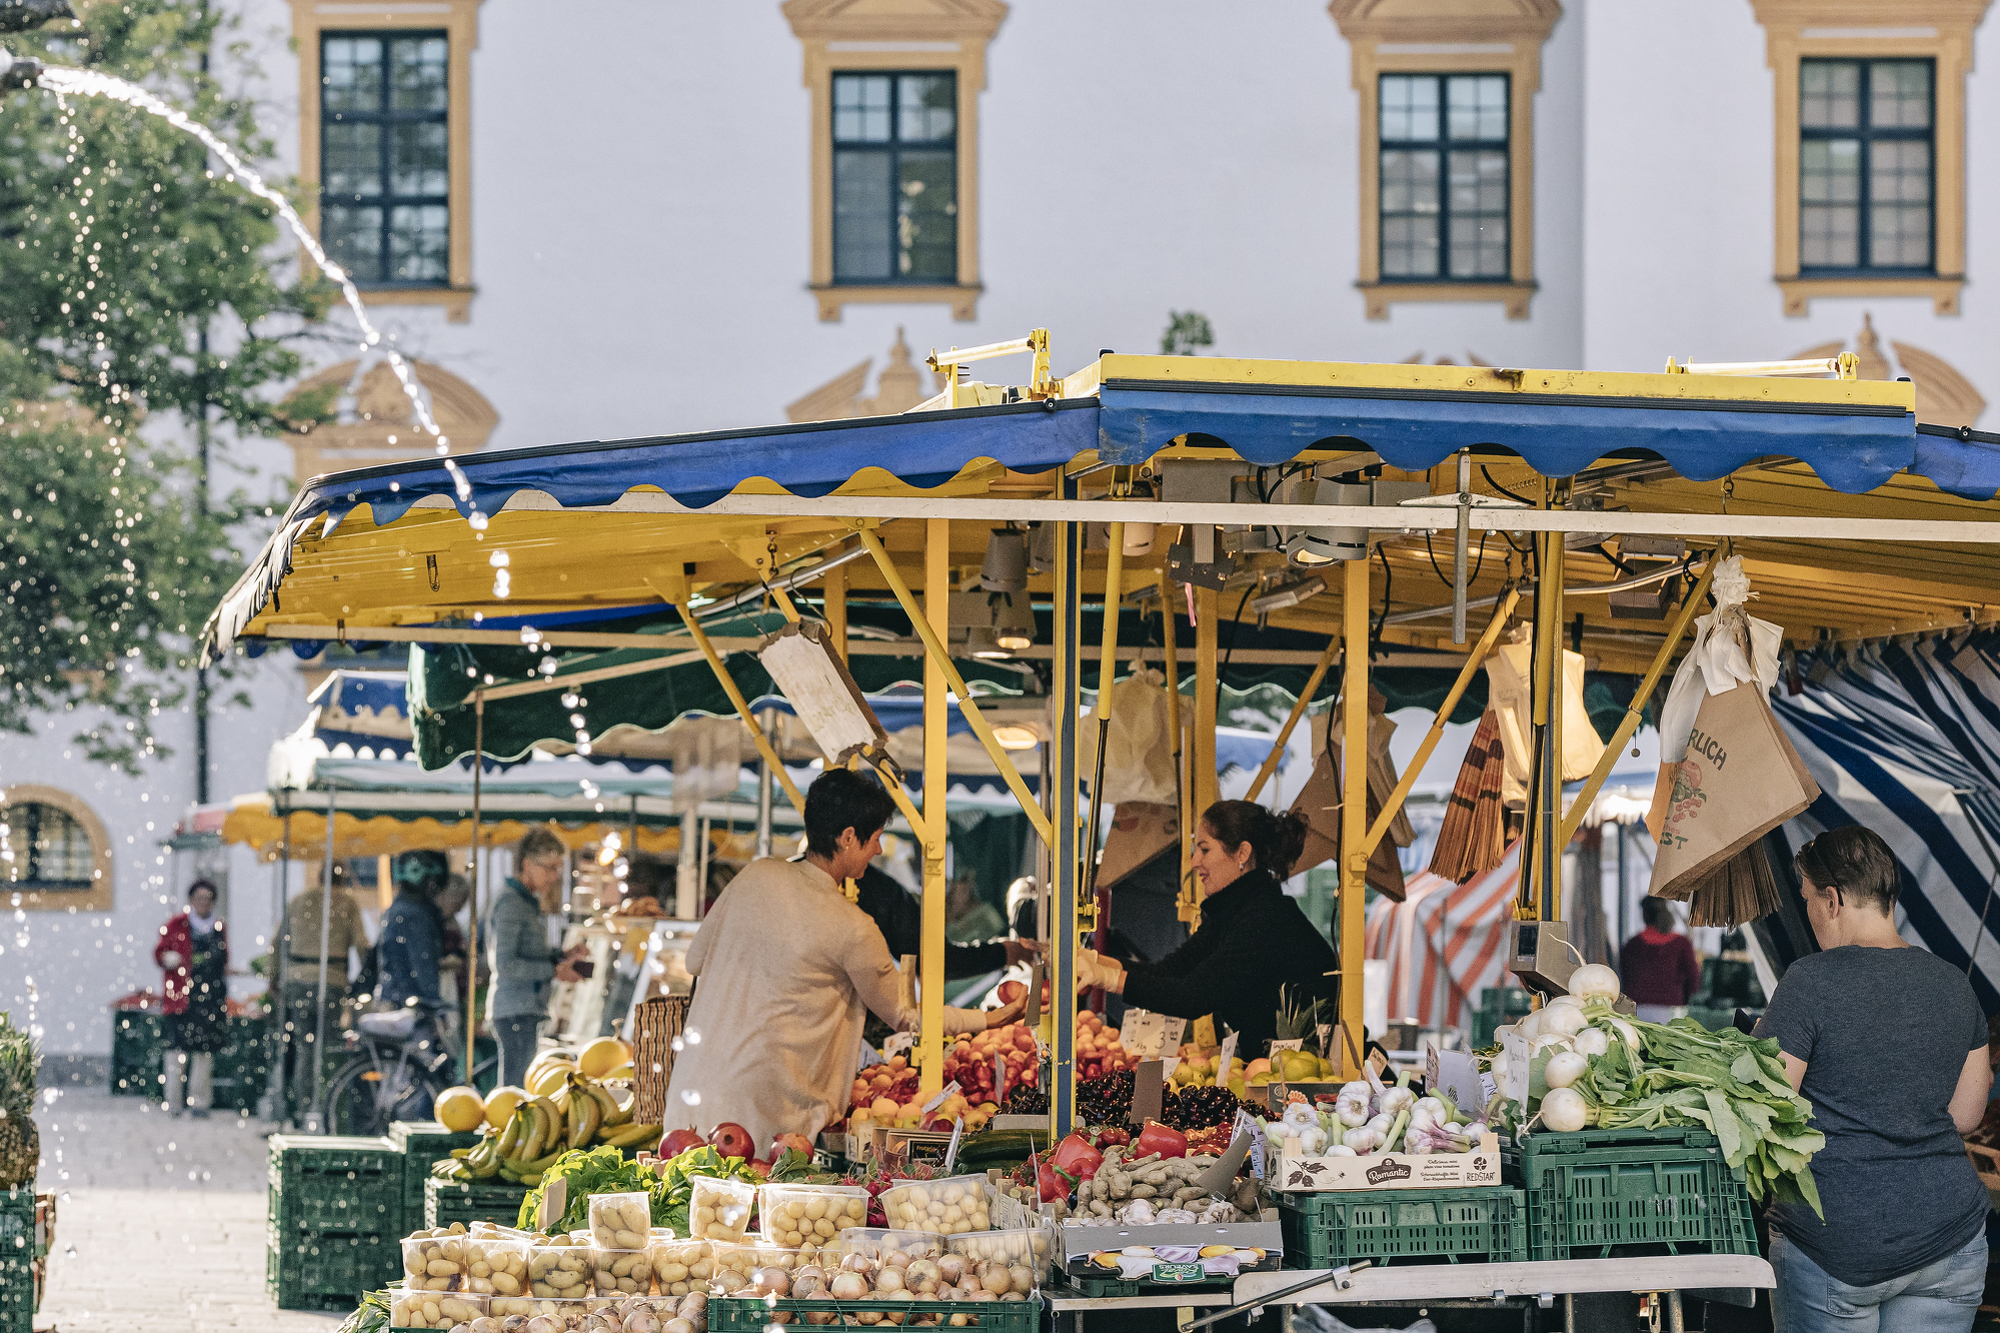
677	1141
732	1140
1011	991
783	1142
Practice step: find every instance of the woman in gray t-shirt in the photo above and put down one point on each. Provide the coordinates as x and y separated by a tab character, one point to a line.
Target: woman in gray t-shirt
1888	1043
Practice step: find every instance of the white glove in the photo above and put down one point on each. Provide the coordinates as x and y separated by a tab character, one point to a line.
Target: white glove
171	960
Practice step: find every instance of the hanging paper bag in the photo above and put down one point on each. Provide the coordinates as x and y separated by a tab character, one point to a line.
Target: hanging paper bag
1509	693
1738	779
1319	802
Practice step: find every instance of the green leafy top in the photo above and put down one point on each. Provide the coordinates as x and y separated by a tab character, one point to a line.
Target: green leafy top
670	1183
20	1063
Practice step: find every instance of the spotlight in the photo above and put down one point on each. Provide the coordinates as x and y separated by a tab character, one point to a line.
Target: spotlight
1325	545
1013	621
1016	737
979	642
1287	597
1006	565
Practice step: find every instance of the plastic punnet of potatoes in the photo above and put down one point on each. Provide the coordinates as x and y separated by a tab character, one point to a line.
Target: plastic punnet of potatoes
634	1314
1022	1247
422	1308
449	1259
679	1266
810	1215
559	1267
950	1206
720	1209
621	1221
895	1276
737	1266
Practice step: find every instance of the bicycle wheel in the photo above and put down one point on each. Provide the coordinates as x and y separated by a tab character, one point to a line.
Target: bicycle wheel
353	1103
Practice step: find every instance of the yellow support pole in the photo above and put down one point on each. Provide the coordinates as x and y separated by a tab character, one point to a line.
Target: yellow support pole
836	609
1179	740
935	650
930	953
1380	827
1353	809
1201	745
764	750
1298	711
1629	724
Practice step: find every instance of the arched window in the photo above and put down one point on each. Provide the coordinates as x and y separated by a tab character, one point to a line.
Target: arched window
54	851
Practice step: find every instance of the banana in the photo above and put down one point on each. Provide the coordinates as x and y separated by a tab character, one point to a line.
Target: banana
588	1116
531	1128
511	1176
532	1180
629	1136
511	1135
614	1114
573	1117
555	1127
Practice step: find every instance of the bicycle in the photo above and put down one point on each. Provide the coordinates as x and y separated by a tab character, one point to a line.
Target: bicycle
397	1071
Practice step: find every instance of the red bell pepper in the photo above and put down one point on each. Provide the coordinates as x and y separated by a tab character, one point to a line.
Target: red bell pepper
1161	1139
1073	1154
1052	1183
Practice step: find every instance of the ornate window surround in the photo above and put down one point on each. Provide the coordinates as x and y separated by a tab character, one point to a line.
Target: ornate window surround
857	35
97	898
1449	37
1940	30
460	20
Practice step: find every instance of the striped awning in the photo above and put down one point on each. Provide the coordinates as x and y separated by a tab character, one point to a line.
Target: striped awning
1454	935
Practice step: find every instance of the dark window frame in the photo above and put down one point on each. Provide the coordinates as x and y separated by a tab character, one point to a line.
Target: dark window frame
388	201
29	836
892	149
1868	135
1444	145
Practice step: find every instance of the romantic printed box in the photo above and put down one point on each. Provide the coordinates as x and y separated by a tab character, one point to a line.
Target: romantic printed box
1291	1171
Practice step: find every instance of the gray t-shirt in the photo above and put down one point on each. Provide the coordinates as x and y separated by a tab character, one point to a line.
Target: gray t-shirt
1884	1034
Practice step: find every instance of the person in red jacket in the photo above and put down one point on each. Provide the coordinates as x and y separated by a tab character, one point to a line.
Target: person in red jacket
194	953
1657	966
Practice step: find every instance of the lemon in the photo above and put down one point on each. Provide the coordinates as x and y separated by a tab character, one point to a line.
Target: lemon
602	1056
460	1110
500	1106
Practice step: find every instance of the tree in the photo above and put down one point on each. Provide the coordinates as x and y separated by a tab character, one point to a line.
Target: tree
1186	331
123	252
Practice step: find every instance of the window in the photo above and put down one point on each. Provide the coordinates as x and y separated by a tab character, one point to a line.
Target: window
53	851
1869	148
893	87
1446	147
1444	195
1865	165
895	177
385	209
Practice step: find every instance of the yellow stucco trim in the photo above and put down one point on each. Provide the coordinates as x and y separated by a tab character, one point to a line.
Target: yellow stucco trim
460	21
847	35
1938	30
1449	37
97	898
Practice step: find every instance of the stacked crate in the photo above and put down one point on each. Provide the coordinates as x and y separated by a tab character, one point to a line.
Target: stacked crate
469	1201
335	1217
18	1253
422	1143
1621	1193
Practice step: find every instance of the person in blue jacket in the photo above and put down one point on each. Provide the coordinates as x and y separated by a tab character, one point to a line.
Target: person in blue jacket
411	946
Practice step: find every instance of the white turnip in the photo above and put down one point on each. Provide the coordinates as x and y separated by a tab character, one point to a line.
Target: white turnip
1565	1068
1564	1110
1594	981
1591	1041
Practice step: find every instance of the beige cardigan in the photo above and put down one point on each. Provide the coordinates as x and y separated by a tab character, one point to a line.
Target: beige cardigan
785	966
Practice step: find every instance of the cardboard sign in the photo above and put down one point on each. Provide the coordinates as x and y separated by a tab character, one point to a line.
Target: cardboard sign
1299	1173
1150	1036
1222	1062
1518	1050
1287	1044
1204	1032
1148	1095
948	1091
1457	1076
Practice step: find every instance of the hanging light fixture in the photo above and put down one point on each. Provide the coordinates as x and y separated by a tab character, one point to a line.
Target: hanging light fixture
979	642
1006	566
1013	621
1326	545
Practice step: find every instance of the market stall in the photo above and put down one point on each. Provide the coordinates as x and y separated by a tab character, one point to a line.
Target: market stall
1587	513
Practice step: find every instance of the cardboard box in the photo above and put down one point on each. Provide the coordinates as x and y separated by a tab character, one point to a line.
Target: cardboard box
1080	1242
1293	1172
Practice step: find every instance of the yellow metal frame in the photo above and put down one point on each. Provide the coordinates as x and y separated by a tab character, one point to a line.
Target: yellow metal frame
728	683
1284	736
1353	811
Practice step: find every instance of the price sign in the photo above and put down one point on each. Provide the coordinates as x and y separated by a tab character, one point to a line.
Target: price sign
1150	1036
1222	1061
1204	1032
1189	1272
945	1093
1252	1126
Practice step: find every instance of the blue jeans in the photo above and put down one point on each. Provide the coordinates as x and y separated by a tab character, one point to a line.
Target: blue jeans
516	1037
1941	1297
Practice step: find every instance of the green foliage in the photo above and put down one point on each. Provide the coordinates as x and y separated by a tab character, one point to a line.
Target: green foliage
20	1061
120	252
1186	331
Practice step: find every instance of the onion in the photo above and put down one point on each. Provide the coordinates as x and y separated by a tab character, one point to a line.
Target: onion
889	1280
1591	1041
951	1267
1565	1068
1565	1111
1593	981
849	1286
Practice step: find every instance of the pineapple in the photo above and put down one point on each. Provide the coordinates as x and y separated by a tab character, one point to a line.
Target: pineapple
20	1144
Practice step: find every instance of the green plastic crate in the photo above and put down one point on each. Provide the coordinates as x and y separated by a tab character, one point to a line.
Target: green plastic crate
345	1186
1497	1005
749	1314
1111	1288
1605	1193
18	1251
448	1201
422	1143
137	1048
1476	1224
327	1270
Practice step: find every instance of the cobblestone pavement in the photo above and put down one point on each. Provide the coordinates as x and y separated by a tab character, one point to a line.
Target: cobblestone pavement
160	1221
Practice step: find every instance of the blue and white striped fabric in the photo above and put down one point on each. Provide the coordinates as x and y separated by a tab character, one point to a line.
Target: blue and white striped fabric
1905	739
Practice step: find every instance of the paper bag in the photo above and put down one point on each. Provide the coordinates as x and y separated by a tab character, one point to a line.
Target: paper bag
1319	802
1509	693
1140	831
1740	778
1139	751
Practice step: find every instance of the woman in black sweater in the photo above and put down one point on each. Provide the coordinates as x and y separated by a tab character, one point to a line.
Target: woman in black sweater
1253	939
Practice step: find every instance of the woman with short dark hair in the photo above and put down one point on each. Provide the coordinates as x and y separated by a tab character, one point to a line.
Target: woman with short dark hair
1657	966
1888	1043
785	969
1253	943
